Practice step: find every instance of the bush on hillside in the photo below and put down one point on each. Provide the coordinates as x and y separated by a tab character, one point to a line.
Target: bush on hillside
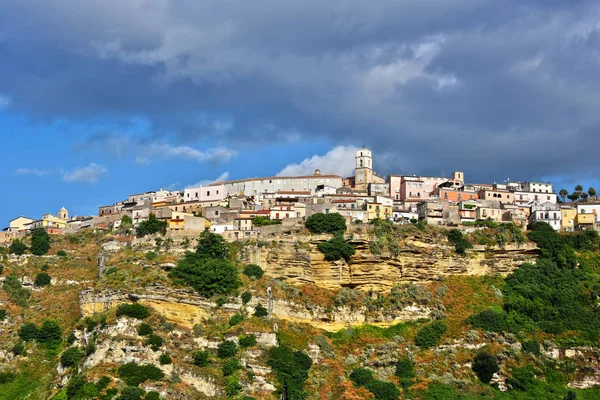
485	365
150	226
18	349
253	271
154	341
227	348
430	335
134	310
40	242
207	276
201	358
383	390
50	333
61	253
144	329
131	393
212	246
461	244
28	331
531	346
71	357
236	319
42	279
165	359
291	370
361	376
248	341
326	223
260	311
336	248
15	290
17	247
133	374
246	297
230	366
489	320
405	372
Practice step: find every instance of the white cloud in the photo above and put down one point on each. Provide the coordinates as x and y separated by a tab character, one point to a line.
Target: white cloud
339	161
221	178
32	171
90	174
4	101
528	65
163	151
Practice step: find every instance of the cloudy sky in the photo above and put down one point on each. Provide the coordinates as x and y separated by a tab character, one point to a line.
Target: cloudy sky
101	98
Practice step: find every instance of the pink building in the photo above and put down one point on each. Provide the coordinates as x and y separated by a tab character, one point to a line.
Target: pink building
205	193
413	188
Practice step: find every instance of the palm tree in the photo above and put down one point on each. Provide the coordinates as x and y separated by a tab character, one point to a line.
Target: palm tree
579	189
563	193
573	196
592	192
584	196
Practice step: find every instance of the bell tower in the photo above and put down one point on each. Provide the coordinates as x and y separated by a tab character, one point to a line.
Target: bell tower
363	174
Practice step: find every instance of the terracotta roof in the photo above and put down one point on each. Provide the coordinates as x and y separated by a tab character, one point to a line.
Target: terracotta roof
342	201
293	192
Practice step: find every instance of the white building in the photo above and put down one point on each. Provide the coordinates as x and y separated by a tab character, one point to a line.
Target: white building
205	193
546	212
590	208
527	197
539	187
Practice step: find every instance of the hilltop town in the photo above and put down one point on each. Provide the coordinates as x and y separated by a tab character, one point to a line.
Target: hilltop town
237	209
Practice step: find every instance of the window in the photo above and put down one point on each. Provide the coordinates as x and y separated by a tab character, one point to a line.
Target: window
217	192
216	212
208	193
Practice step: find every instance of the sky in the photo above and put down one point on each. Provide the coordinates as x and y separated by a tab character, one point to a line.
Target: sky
103	98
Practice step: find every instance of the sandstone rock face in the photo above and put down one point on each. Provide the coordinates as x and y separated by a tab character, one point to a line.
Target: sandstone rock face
418	261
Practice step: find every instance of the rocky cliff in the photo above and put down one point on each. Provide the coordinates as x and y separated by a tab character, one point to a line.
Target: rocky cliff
419	260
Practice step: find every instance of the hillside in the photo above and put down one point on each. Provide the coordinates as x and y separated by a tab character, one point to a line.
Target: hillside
383	312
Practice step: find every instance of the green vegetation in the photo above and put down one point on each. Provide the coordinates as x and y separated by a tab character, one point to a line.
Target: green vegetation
260	311
150	226
201	358
42	279
430	334
40	242
17	247
461	244
326	223
208	270
61	253
165	359
485	365
230	366
405	372
246	297
531	346
336	248
236	319
134	310
247	341
71	357
151	256
361	376
383	390
253	271
227	348
17	293
264	221
145	329
385	238
291	370
154	341
49	333
133	374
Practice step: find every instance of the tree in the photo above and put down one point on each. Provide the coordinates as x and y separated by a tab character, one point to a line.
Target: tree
17	247
578	189
28	332
260	311
326	223
71	357
584	196
226	349
212	246
461	244
42	279
361	376
591	192
383	390
126	221
485	365
253	271
336	248
207	276
200	358
573	196
49	333
291	370
150	226
563	194
40	242
430	334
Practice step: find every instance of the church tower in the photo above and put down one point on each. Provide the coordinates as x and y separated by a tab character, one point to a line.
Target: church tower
363	174
63	213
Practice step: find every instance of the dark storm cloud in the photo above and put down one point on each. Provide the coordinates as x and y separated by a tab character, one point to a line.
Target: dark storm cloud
483	86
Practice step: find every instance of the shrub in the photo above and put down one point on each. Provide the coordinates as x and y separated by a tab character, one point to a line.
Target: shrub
151	256
90	348
2	315
485	365
133	374
144	329
75	385
18	349
207	276
246	297
248	341
227	348
212	246
291	370
2	268
326	223
154	341
70	357
17	293
230	366
233	386
17	247
61	253
6	377
131	393
49	333
264	221
165	359
45	267
336	248
489	320
236	319
134	310
150	226
461	244
42	279
405	372
152	396
28	331
522	378
253	271
383	390
40	242
531	346
221	301
200	358
260	311
430	334
361	376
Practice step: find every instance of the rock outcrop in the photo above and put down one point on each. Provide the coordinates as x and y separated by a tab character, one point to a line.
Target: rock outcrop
417	261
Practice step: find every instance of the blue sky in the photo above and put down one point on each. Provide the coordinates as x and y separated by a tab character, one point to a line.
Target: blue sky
99	99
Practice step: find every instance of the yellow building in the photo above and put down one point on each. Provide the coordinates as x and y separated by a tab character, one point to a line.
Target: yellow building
177	220
18	224
48	221
584	221
378	210
567	223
